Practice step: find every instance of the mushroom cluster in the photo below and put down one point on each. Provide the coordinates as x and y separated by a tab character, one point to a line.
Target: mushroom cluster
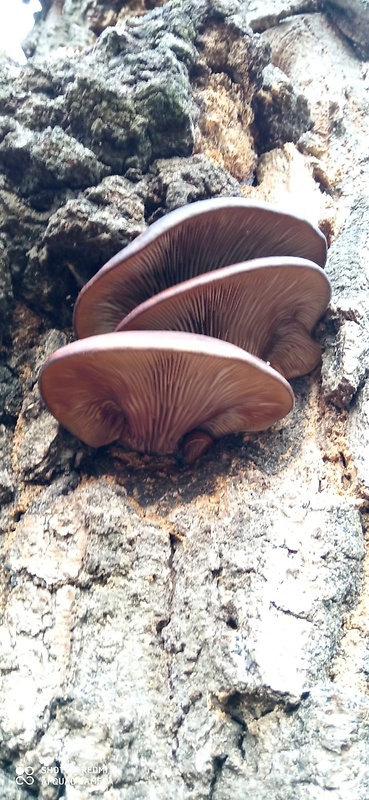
192	331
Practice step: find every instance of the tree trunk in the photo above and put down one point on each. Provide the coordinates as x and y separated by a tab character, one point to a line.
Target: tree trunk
169	630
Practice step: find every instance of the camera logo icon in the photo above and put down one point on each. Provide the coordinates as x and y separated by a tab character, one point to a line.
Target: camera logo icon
25	776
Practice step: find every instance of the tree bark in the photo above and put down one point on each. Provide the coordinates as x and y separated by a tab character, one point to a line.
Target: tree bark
169	630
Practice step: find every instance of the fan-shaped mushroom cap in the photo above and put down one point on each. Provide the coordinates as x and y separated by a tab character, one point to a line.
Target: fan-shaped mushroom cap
267	306
150	389
189	241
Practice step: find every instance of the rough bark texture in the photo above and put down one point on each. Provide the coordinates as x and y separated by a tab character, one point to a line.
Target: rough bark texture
173	631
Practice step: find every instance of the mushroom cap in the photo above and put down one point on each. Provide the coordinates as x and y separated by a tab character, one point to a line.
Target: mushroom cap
197	238
267	306
149	389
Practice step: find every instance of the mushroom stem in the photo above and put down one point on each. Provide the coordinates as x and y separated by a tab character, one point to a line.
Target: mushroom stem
293	352
195	444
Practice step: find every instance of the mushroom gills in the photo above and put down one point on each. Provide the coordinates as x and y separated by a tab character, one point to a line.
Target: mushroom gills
190	241
150	389
266	306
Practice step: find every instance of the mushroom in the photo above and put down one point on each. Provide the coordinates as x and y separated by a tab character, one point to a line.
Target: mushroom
154	390
197	238
267	306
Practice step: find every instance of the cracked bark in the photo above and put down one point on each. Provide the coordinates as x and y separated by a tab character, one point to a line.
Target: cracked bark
202	631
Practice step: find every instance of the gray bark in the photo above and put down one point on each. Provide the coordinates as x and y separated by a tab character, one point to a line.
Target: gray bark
167	630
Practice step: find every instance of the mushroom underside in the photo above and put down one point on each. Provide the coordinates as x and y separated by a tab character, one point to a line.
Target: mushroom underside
186	333
190	241
266	306
150	392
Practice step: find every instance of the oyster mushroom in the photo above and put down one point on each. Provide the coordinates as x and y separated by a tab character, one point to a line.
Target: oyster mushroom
156	390
187	242
266	306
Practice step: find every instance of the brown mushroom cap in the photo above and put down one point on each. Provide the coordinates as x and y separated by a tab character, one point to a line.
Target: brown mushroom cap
267	306
187	242
150	389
